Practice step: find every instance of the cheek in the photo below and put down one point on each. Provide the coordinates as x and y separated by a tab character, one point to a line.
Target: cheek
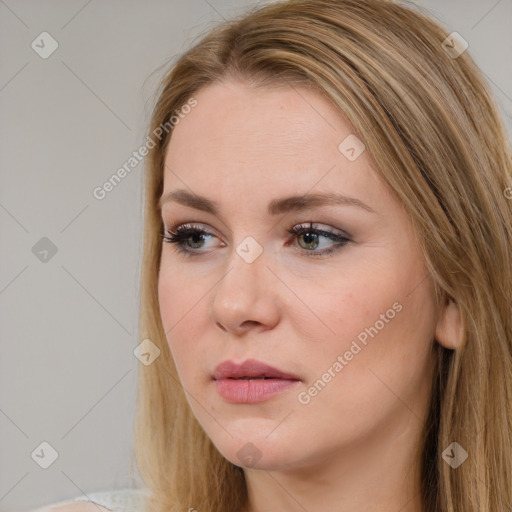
182	312
377	316
392	341
350	302
179	296
383	338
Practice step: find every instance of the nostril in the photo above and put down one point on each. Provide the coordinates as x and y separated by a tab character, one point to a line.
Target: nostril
250	323
220	326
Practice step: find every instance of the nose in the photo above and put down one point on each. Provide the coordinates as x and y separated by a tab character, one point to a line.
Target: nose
246	298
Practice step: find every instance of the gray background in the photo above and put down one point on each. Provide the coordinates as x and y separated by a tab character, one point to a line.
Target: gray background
67	123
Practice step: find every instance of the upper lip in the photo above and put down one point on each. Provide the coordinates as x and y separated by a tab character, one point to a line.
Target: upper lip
249	368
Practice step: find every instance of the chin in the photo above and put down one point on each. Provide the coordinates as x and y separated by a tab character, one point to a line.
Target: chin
255	449
251	456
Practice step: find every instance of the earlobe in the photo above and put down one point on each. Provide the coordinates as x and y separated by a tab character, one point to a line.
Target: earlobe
449	331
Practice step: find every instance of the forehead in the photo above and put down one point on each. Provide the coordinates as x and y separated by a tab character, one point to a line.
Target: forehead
261	140
233	116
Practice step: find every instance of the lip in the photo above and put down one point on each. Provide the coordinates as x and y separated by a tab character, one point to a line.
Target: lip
249	368
233	384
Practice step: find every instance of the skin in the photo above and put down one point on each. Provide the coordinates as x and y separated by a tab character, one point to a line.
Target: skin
354	446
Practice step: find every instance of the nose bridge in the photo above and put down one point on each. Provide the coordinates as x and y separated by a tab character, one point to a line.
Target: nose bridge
245	269
242	294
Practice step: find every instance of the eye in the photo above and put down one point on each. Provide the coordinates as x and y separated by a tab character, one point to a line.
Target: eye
312	238
187	238
312	241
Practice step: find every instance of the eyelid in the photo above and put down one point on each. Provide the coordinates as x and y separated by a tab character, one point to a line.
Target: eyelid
322	228
208	228
180	232
295	229
184	226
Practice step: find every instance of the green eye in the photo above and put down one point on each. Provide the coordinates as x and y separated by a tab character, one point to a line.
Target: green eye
312	239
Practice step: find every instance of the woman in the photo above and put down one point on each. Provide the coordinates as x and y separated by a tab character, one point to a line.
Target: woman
326	286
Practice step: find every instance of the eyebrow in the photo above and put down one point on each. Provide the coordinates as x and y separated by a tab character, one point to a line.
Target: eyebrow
275	207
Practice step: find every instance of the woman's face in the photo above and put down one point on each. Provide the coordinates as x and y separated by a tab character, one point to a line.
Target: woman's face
343	306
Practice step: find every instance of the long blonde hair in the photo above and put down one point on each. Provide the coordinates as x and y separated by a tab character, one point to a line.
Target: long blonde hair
428	118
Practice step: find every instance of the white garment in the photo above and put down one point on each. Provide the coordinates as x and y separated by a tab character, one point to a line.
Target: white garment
125	500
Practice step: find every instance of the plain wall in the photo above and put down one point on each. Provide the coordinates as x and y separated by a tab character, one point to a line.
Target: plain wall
69	320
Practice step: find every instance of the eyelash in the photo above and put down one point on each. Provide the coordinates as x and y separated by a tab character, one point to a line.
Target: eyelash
182	233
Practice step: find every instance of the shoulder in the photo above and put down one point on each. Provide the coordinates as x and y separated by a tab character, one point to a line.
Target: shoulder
125	500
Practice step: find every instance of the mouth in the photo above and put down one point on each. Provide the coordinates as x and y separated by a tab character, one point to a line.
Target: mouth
251	382
250	378
251	369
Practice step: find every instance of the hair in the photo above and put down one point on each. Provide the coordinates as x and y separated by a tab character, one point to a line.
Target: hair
431	122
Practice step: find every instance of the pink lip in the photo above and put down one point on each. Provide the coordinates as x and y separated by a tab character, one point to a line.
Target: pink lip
249	368
250	391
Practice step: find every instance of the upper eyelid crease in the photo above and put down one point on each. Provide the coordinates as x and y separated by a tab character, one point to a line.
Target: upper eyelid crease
304	226
275	207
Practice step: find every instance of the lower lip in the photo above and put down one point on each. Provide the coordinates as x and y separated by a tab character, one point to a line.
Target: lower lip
251	391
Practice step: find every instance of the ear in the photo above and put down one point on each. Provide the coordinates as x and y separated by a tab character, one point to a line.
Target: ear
448	331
